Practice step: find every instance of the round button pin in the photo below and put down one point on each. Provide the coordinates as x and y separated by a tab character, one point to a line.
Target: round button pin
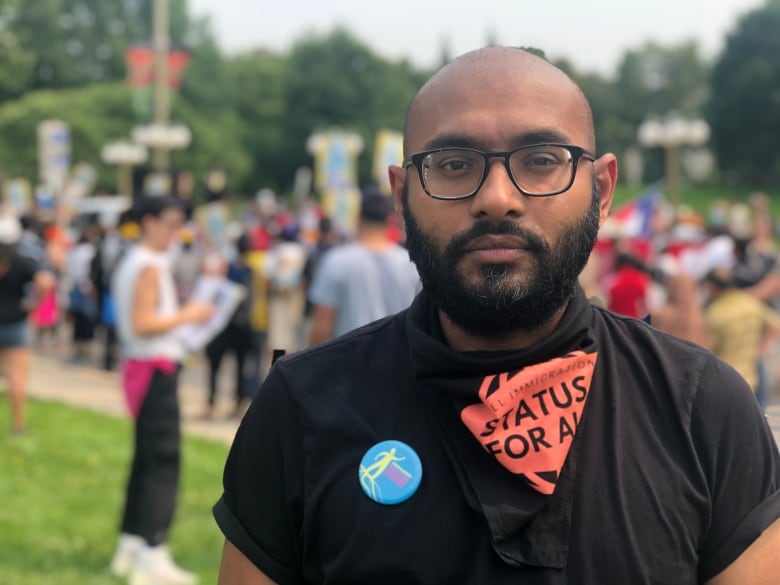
390	472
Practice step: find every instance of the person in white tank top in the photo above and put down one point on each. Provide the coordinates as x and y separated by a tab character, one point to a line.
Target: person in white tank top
148	313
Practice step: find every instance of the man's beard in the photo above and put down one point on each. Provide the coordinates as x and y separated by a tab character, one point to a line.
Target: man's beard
500	304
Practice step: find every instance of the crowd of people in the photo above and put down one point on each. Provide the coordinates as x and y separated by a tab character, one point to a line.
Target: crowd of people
680	277
269	252
713	279
467	314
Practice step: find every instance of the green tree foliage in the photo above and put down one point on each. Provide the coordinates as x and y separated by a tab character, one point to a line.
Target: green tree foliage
98	114
15	62
49	44
336	81
206	82
656	80
257	82
744	111
253	113
603	102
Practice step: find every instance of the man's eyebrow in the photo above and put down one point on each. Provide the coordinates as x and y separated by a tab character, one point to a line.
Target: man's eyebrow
546	136
453	141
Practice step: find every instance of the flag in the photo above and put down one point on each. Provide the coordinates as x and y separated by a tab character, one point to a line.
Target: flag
634	219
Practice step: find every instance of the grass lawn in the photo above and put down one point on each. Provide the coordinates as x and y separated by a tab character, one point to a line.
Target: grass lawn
61	488
700	197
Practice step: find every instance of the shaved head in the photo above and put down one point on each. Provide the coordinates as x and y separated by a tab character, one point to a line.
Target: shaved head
488	69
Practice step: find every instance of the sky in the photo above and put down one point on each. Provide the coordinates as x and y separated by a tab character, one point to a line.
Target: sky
592	34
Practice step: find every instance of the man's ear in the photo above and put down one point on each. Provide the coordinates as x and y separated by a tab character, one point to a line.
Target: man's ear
397	176
606	169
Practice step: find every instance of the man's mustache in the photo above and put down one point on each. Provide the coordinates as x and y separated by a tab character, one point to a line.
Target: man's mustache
459	244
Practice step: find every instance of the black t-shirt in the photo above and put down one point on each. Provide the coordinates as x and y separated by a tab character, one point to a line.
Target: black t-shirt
671	475
13	289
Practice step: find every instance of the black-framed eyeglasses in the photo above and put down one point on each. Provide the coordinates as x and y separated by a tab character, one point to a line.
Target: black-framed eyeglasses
538	170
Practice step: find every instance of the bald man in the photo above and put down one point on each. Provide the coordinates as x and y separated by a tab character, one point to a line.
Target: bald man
502	429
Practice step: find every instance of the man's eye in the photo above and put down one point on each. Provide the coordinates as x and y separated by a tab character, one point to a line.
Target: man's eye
455	165
541	160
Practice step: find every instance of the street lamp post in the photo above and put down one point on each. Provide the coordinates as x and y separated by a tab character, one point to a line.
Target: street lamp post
161	138
125	155
162	99
671	133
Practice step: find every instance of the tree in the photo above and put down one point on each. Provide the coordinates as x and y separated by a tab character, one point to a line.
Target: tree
604	105
67	43
206	81
257	81
336	81
744	110
98	114
15	62
656	80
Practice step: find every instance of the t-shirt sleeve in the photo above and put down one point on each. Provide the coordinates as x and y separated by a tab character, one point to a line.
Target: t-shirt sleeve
260	508
740	461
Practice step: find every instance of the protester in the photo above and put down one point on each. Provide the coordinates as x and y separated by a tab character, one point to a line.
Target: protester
681	313
17	274
628	287
328	237
236	337
112	247
83	307
284	267
259	319
148	313
189	262
45	311
502	429
740	327
31	242
365	280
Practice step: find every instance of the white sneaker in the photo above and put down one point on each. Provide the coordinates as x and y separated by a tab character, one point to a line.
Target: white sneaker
127	551
156	567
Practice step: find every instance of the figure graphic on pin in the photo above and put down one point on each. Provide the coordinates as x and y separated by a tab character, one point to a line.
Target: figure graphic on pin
369	475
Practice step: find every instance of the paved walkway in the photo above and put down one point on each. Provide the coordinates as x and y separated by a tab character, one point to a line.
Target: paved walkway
88	387
85	386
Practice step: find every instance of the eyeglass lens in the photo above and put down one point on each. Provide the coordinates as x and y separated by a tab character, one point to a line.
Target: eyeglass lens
537	170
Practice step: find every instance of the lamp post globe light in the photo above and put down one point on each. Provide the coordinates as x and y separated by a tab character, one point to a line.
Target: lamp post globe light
671	133
125	155
162	137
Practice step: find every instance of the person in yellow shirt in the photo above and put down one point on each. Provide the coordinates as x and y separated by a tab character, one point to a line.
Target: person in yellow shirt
258	319
739	325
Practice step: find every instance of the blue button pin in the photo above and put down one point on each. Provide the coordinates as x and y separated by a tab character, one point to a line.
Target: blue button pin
390	472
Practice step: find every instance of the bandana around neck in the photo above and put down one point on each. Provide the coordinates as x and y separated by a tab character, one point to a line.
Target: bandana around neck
527	419
523	489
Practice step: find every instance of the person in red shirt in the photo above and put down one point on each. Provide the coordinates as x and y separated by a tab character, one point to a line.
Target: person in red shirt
628	289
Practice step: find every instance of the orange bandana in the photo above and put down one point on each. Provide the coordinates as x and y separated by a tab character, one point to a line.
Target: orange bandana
528	420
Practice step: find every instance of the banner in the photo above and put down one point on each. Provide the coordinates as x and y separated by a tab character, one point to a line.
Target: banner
335	159
53	153
17	195
141	75
389	150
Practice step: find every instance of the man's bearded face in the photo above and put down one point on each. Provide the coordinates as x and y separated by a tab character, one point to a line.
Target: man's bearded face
505	299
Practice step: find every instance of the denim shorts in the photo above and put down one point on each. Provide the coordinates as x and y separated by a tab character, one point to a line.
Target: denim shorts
14	335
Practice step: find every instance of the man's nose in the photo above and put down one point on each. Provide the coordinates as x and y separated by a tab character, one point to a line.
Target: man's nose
498	197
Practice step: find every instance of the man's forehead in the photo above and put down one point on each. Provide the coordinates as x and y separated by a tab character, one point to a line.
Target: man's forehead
494	89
